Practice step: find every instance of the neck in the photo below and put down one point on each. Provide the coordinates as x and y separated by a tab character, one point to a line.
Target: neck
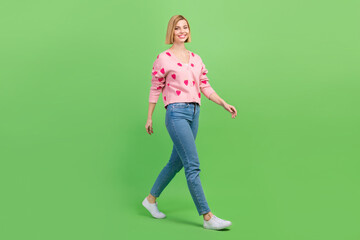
178	47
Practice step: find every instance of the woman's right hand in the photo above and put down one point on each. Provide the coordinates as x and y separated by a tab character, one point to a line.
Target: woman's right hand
148	127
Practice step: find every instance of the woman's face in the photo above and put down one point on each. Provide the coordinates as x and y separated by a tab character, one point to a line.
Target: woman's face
181	32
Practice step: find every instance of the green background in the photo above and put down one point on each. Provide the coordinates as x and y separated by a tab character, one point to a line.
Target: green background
76	161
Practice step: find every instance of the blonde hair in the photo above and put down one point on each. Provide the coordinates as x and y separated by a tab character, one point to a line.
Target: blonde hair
171	29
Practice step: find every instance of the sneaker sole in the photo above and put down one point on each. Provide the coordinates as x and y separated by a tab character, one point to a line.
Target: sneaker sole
219	227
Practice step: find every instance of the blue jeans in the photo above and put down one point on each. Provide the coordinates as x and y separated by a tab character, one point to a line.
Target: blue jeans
182	121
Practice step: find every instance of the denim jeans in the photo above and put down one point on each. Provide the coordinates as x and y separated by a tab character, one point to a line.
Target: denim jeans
182	121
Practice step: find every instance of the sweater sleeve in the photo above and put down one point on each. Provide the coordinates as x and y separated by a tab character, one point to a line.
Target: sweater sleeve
158	79
204	84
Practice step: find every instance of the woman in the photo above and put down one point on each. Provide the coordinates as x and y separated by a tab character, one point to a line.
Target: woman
180	75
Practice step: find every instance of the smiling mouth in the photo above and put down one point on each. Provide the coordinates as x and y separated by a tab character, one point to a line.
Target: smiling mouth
181	36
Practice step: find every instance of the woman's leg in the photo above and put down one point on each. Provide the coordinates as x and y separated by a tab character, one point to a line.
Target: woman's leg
173	166
182	124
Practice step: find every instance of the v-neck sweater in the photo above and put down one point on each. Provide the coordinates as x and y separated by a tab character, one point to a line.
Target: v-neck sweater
179	82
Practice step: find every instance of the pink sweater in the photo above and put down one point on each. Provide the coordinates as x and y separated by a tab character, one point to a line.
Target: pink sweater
179	82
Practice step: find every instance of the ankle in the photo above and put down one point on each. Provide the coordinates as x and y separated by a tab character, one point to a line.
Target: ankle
151	198
207	216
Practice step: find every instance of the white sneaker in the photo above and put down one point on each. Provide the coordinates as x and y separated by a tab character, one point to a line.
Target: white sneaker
216	223
153	209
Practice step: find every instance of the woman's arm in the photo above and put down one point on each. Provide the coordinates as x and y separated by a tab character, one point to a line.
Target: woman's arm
148	125
151	109
217	99
158	79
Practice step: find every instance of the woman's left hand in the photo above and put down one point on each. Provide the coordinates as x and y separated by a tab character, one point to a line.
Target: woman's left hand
230	109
